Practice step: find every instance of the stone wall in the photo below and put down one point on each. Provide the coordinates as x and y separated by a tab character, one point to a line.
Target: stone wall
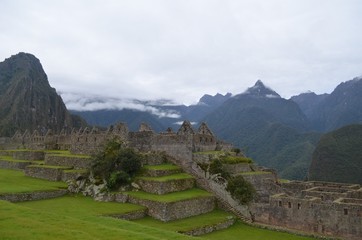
43	172
32	196
14	164
210	228
29	155
169	211
69	161
314	215
237	168
164	187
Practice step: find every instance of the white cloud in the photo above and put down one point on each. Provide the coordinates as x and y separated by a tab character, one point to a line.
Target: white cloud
182	49
80	102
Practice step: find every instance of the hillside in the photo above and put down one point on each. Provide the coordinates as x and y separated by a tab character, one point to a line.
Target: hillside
267	128
133	118
27	101
338	156
328	112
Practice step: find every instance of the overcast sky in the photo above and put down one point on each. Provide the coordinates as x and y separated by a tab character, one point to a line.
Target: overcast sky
182	49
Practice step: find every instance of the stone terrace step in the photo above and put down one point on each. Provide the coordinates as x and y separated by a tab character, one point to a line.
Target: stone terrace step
73	174
24	154
160	170
196	225
69	160
52	173
166	184
173	206
14	164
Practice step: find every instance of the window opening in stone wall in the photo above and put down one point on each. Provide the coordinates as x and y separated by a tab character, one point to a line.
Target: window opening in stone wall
280	203
299	206
345	211
289	205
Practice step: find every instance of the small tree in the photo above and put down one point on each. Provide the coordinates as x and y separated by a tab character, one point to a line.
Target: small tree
116	164
241	190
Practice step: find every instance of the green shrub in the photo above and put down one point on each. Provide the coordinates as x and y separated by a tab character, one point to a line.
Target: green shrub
217	168
241	190
116	164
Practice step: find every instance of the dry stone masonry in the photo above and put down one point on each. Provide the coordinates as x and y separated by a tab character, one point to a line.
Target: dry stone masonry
329	209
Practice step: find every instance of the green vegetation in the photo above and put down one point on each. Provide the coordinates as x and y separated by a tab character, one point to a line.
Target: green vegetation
254	173
216	167
11	159
168	177
243	231
75	171
12	181
241	189
171	197
235	159
161	167
78	217
49	166
210	153
60	219
337	157
80	206
116	164
187	224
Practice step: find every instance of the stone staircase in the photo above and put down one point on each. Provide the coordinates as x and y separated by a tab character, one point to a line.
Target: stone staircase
170	195
165	190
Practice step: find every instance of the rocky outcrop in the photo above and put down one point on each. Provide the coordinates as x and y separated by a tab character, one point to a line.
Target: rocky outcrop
27	101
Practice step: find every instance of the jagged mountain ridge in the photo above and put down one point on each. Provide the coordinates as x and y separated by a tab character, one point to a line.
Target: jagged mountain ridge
27	101
328	112
266	127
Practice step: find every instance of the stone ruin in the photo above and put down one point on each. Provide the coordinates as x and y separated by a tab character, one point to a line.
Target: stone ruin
329	209
89	140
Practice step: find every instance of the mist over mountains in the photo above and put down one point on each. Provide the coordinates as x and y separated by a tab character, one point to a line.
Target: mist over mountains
276	132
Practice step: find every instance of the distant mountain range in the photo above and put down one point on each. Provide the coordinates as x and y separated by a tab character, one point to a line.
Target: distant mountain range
328	112
276	132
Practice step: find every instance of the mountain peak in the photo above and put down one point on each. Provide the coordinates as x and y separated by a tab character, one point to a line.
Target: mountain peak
260	90
217	99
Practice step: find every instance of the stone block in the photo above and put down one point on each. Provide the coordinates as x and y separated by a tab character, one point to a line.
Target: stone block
164	187
169	211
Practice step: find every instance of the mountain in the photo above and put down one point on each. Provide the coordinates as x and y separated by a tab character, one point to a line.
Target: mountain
328	112
270	129
338	156
27	101
308	102
133	118
159	114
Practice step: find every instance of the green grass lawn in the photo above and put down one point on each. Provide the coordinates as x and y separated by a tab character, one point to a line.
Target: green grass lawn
187	224
13	181
78	217
242	231
161	167
171	197
11	159
67	218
